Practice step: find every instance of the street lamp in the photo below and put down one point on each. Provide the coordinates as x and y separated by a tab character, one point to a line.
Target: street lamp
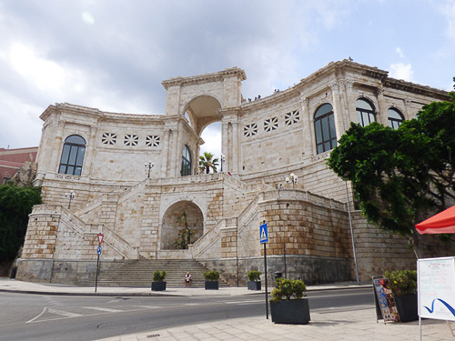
70	195
148	166
292	178
222	158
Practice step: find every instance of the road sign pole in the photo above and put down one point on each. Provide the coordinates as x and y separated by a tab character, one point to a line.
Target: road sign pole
266	286
97	270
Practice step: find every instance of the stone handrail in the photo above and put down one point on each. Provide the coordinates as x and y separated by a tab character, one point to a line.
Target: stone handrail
297	194
119	244
207	240
73	222
249	212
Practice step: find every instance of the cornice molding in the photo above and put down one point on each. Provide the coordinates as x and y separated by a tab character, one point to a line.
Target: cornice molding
207	78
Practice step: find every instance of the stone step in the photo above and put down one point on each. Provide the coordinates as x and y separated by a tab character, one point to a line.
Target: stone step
139	273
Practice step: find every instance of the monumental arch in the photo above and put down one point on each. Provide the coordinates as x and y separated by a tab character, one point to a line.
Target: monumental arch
101	155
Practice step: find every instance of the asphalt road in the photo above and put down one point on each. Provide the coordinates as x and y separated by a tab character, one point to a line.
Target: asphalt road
73	318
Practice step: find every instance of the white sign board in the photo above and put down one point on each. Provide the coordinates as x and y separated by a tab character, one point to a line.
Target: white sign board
436	288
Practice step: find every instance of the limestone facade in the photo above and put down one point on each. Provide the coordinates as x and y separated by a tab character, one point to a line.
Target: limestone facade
265	140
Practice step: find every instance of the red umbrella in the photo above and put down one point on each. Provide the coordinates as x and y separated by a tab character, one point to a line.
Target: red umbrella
443	222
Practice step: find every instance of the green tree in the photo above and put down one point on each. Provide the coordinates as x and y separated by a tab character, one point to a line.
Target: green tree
207	162
184	235
401	177
16	204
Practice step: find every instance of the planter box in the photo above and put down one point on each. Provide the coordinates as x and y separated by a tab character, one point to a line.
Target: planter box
158	286
290	312
407	307
254	285
211	285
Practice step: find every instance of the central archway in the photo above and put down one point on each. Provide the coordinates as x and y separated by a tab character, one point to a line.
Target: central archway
202	111
172	223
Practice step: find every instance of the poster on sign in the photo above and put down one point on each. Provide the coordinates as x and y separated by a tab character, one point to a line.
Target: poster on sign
436	288
384	300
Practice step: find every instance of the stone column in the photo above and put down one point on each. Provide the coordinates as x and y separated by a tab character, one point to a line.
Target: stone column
308	129
230	141
235	147
407	107
90	152
225	145
165	153
350	108
57	148
382	116
338	112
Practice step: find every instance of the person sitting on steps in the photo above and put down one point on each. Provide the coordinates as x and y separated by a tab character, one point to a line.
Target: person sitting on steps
187	279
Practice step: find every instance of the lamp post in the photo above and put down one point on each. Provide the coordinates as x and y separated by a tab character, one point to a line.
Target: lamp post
70	195
292	178
222	158
148	165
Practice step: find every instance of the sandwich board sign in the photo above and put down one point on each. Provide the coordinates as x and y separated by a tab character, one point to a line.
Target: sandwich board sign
263	236
386	308
436	288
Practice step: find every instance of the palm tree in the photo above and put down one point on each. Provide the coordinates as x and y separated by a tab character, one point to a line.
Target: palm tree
207	162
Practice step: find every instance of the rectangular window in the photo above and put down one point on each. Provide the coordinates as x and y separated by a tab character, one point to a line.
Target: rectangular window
65	153
318	132
80	156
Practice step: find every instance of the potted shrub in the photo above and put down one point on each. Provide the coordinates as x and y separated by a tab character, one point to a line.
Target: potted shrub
404	288
288	304
158	283
211	279
254	280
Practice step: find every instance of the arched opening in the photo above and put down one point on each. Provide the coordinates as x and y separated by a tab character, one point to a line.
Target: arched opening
180	217
202	111
212	142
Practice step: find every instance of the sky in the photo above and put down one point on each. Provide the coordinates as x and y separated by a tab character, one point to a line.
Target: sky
113	54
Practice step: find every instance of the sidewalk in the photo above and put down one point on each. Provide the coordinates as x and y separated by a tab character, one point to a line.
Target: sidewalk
353	324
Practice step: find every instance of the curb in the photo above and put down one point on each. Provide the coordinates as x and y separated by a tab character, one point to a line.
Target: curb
154	294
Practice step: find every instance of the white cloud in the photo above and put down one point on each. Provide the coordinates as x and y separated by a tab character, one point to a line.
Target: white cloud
88	18
399	52
448	9
46	75
401	71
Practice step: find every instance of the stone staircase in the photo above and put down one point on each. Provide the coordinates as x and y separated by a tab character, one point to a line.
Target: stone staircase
139	273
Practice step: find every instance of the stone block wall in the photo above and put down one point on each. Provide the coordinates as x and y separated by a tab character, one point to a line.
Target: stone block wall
378	251
229	242
42	232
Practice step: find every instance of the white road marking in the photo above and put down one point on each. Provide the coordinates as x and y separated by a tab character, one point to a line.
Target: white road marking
62	313
38	316
241	302
66	314
105	309
149	307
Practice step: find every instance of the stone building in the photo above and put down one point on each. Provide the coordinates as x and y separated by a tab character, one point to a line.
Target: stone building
101	156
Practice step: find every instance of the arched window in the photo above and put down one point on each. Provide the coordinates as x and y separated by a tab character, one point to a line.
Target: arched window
395	118
324	127
186	161
365	112
72	155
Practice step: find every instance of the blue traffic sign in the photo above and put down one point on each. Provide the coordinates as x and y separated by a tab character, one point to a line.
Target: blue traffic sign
99	250
263	236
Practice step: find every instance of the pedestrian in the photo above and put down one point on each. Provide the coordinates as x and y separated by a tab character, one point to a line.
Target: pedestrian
188	279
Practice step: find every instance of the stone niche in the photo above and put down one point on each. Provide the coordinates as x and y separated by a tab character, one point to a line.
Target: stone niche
173	223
